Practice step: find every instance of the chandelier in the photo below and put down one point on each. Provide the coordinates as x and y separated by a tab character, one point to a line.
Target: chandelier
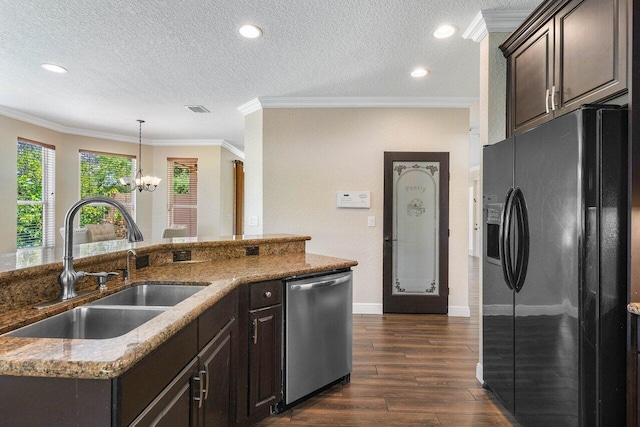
140	182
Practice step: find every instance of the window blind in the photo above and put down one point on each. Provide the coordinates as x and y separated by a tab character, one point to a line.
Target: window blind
100	175
182	194
36	194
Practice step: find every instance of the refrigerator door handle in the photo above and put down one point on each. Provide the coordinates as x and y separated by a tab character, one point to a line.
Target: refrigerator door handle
504	243
522	217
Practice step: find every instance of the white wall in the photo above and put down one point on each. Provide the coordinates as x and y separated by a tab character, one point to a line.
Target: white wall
310	154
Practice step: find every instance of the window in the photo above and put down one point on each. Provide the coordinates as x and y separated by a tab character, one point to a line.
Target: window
100	175
36	197
182	197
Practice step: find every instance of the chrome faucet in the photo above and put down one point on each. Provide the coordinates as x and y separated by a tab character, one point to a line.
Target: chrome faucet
69	277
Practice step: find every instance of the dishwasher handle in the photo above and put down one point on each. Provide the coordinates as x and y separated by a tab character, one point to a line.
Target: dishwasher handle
321	284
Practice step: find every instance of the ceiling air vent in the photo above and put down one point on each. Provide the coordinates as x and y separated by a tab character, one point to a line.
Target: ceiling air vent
197	108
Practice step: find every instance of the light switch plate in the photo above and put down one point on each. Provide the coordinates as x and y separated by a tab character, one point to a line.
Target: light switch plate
371	221
253	220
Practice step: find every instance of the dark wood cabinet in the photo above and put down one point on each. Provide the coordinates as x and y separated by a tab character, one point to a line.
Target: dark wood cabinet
174	406
265	325
567	53
203	393
531	77
138	388
264	358
216	379
184	382
259	351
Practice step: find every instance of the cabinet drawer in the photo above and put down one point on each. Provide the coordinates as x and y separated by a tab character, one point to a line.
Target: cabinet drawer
264	294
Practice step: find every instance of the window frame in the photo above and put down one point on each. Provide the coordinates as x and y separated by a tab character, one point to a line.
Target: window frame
191	163
48	193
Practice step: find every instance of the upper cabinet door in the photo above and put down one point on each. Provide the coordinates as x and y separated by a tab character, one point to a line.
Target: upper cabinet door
530	80
565	54
590	52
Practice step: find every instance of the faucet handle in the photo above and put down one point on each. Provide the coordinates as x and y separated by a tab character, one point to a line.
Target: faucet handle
102	277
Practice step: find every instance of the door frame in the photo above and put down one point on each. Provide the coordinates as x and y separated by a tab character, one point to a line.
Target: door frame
410	303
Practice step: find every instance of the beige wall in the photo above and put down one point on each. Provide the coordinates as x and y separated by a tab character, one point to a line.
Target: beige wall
310	154
253	172
213	187
67	173
227	192
214	190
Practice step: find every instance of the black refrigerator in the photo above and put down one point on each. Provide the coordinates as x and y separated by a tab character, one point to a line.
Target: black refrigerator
555	216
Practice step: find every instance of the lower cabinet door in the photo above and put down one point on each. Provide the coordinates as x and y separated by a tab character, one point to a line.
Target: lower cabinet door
218	379
264	358
174	406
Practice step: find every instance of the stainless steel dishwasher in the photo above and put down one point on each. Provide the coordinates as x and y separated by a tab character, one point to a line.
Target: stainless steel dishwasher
317	333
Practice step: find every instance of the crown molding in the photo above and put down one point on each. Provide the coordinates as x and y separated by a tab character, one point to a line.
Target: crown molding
355	102
57	127
250	107
494	21
37	121
233	149
198	143
189	142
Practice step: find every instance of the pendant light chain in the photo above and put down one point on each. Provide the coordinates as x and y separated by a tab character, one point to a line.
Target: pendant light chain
140	146
140	183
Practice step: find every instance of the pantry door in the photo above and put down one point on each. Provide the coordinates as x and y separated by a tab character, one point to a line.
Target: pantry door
416	232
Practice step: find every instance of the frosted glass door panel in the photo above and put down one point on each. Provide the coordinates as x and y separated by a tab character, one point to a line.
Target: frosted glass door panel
415	228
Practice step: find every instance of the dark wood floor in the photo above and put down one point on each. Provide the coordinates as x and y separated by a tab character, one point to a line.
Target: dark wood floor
408	370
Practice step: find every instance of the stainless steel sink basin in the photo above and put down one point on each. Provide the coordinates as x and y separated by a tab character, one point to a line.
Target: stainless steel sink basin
89	323
150	295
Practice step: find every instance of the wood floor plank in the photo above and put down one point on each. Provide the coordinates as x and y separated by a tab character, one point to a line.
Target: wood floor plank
473	420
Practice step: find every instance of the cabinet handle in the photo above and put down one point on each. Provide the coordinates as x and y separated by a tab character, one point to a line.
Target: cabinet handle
255	331
205	374
546	102
267	294
200	390
553	98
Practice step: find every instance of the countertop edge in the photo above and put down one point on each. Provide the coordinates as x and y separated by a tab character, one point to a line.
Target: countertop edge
181	316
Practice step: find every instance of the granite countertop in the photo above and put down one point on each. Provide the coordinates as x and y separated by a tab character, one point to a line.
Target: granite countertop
12	263
634	308
109	358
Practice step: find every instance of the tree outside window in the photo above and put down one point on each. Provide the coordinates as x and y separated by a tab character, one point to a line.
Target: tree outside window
99	176
35	202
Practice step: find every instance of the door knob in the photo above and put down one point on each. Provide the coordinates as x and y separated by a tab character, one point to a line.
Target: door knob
387	238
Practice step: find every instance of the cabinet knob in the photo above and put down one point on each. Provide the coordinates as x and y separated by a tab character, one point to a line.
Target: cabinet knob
267	294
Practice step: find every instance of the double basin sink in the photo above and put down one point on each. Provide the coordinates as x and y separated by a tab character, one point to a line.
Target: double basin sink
110	316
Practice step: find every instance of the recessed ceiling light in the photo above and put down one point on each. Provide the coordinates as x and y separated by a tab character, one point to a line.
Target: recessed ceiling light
444	31
54	68
419	72
250	31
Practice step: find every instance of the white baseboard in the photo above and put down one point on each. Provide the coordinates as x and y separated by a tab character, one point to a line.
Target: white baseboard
459	311
373	308
479	373
367	308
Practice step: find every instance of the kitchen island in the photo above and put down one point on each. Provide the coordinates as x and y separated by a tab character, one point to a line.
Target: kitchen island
221	264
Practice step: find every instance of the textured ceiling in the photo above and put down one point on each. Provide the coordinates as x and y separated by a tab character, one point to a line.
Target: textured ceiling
146	59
